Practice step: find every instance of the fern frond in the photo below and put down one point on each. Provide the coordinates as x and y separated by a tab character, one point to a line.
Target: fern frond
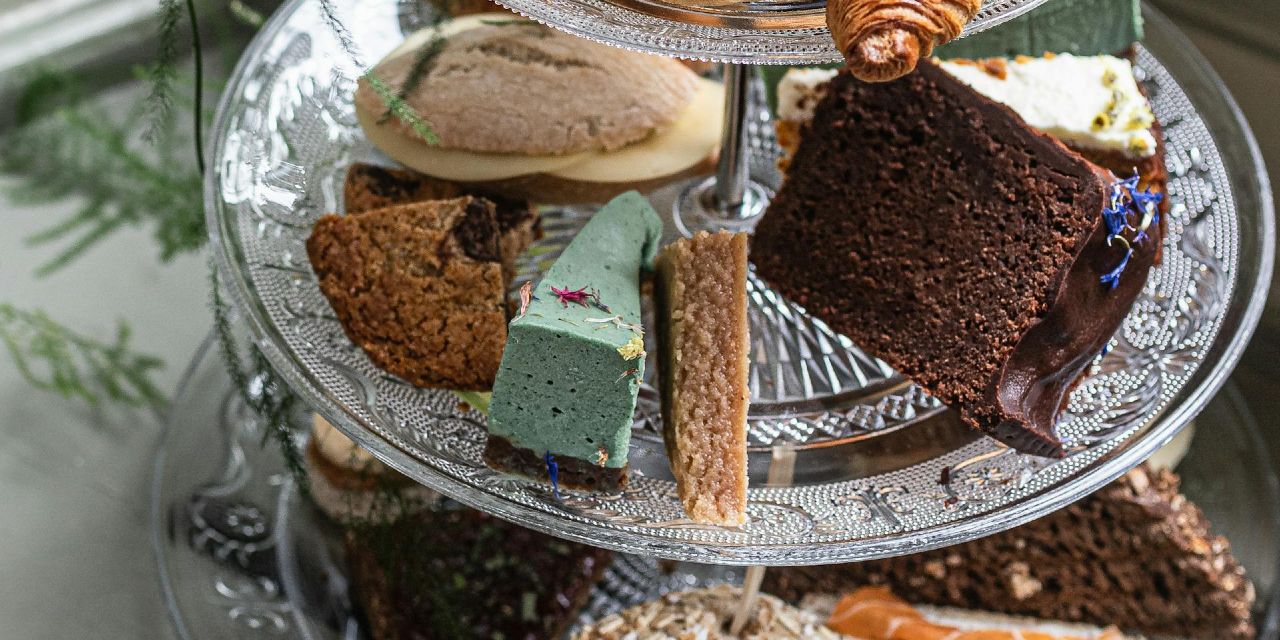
54	358
259	387
164	69
86	152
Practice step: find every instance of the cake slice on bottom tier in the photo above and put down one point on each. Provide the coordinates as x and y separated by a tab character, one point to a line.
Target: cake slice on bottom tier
705	340
978	257
1137	554
419	288
566	390
461	574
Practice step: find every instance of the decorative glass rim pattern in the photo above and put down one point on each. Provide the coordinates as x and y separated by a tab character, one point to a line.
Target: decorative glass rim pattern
1233	169
788	37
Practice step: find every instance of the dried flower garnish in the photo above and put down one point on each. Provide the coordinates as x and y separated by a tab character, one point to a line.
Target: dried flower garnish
526	295
553	472
627	374
593	296
1126	205
602	456
634	348
1112	277
617	322
567	295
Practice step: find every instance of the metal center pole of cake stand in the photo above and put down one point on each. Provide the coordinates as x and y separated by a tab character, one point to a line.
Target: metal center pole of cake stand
730	199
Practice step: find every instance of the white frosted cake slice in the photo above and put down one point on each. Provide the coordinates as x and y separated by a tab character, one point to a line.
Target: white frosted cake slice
1093	104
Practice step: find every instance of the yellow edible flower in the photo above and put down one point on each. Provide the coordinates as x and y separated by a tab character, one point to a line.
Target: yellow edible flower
634	348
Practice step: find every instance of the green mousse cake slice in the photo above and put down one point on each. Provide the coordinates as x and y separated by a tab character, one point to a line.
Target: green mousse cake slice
566	389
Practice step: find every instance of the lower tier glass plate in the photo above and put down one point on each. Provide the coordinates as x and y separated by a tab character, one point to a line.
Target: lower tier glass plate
241	555
881	468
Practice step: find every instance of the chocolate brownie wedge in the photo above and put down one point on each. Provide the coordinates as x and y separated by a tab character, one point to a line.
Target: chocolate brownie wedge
462	574
419	288
980	258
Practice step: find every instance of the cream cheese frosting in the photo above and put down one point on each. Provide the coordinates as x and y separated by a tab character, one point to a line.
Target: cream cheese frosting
1090	102
799	92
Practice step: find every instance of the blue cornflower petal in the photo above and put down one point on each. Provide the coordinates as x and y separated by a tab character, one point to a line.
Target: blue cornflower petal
1112	277
1115	219
553	471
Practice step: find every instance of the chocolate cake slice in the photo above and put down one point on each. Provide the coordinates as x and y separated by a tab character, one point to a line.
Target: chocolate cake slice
462	574
1137	554
419	288
980	258
702	327
369	187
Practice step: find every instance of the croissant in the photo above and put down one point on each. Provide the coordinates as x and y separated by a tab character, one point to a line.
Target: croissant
882	40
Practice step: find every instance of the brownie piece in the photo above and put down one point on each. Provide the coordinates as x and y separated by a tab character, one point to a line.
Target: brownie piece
706	343
945	237
369	186
1137	554
462	574
419	288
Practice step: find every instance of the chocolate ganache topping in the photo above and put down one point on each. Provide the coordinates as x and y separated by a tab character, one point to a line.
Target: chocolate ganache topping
1093	298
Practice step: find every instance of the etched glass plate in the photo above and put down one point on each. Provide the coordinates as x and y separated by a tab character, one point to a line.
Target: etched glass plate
241	555
743	31
880	467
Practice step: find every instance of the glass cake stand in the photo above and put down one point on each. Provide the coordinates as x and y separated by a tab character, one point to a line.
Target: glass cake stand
880	467
241	555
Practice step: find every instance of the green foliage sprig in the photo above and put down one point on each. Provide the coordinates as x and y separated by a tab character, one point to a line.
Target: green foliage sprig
85	151
396	106
53	358
260	388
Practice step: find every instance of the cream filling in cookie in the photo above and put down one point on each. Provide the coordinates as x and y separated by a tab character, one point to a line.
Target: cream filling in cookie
1091	102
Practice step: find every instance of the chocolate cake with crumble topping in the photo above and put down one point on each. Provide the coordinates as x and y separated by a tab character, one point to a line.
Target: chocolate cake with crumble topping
1137	554
973	254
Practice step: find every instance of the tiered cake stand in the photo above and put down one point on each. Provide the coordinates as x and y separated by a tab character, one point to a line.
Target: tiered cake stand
242	555
880	468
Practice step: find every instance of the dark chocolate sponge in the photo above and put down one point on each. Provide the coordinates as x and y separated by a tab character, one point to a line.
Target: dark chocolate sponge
943	235
1137	554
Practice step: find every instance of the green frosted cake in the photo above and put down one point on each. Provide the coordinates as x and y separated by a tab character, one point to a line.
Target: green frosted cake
1080	27
566	388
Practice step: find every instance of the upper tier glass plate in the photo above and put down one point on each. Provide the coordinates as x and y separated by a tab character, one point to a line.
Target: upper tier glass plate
880	467
748	31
